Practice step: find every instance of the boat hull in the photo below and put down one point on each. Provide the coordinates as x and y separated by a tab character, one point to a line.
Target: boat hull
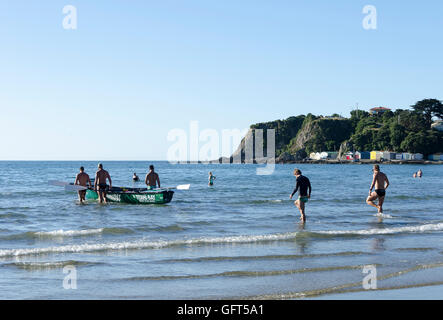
160	196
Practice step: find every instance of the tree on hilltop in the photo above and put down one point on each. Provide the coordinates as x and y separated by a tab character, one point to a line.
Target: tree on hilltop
429	108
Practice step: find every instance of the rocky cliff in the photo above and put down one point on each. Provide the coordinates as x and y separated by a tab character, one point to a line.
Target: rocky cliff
296	137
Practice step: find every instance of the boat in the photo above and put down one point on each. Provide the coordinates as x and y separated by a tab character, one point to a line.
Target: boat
134	195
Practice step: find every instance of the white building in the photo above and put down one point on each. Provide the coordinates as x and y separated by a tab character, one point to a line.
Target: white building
438	125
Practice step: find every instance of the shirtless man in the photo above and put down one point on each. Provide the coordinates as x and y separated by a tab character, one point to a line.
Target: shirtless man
381	183
82	179
303	184
100	183
152	178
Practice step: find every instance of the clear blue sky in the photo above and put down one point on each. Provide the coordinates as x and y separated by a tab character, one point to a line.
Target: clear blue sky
133	70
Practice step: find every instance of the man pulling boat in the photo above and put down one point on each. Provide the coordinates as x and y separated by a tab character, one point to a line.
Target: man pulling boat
82	179
100	184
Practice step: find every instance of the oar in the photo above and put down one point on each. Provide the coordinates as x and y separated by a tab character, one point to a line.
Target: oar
74	187
181	187
58	183
67	185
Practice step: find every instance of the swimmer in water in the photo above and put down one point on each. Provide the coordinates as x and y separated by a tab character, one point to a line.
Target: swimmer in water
211	179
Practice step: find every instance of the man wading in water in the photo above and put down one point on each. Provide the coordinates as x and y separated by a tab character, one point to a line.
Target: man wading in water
82	179
381	183
100	183
152	178
303	184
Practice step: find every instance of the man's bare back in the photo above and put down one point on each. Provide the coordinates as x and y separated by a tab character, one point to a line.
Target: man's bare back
152	178
82	179
380	179
101	176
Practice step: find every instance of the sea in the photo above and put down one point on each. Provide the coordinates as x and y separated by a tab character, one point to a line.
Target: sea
238	239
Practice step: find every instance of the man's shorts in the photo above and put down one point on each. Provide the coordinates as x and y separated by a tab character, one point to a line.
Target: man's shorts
303	199
103	187
380	192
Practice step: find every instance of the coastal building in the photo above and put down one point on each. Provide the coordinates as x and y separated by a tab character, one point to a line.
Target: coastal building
376	155
417	156
359	155
399	156
332	155
318	155
314	156
435	157
387	155
438	125
323	155
378	110
350	156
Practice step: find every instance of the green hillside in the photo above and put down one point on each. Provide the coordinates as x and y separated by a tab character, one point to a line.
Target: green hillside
404	130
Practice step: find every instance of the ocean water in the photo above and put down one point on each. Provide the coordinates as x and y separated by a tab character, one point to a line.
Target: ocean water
239	239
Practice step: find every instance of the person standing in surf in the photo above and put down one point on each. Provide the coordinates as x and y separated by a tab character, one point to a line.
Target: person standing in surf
304	187
380	182
211	179
100	184
82	179
152	178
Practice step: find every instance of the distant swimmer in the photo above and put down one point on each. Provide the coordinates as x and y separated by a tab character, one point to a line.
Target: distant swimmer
82	179
414	175
152	178
135	178
211	179
304	187
100	184
419	173
381	183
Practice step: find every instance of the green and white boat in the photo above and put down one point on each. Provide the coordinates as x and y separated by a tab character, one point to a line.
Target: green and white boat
134	195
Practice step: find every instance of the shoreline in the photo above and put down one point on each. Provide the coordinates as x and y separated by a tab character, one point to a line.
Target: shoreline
418	292
422	162
329	161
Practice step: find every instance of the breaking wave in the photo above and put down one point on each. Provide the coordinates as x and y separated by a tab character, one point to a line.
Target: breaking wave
409	229
144	244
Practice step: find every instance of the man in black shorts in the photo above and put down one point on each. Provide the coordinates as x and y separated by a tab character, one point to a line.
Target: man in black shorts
100	183
381	183
304	185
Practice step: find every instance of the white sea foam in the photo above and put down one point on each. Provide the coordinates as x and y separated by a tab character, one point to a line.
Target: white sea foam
68	233
383	215
142	244
413	229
